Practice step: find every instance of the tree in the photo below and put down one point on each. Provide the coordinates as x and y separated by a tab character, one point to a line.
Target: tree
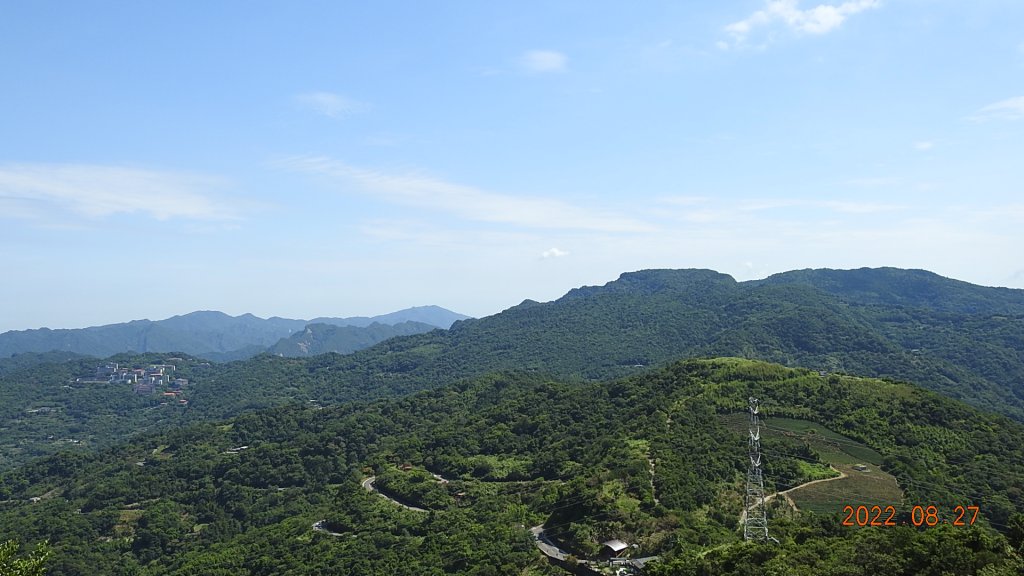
32	565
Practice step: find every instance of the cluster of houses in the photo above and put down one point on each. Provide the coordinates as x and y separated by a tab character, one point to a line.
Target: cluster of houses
143	380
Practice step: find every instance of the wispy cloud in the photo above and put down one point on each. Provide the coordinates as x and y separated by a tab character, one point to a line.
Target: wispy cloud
820	19
553	253
329	104
1009	109
96	191
541	61
468	202
924	145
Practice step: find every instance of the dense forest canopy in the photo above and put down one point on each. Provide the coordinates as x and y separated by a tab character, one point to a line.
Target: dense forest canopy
651	459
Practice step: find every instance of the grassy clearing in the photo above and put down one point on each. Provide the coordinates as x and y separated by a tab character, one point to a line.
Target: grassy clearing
816	471
870	488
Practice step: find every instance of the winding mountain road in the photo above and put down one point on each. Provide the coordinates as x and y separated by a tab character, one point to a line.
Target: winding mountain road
369	487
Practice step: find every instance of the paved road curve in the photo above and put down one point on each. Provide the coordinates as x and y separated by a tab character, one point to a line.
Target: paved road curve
369	487
546	546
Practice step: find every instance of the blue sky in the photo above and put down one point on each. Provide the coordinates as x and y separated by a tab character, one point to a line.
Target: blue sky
303	159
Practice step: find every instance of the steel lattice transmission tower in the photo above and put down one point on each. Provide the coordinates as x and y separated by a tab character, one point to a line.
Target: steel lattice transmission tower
755	523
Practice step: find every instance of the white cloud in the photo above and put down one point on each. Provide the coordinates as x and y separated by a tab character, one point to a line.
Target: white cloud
924	145
820	19
553	253
329	104
540	61
469	202
98	191
1009	109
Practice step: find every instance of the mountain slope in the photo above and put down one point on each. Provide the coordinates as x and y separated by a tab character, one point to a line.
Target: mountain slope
323	338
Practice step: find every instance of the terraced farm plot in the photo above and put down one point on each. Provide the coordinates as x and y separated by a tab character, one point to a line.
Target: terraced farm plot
865	483
833	447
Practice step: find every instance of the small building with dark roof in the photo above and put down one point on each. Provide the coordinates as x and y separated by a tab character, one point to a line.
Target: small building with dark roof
613	548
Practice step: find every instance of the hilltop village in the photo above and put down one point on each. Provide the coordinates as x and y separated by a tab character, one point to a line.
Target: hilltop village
154	378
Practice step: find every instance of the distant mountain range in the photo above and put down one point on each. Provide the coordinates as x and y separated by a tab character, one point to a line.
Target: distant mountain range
218	336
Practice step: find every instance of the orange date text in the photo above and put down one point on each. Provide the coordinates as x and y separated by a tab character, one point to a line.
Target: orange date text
919	516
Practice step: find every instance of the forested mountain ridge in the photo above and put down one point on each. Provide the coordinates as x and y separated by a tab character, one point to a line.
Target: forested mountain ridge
210	334
654	316
909	288
650	459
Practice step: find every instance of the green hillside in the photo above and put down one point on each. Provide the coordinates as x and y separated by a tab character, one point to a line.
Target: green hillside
31	359
651	459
